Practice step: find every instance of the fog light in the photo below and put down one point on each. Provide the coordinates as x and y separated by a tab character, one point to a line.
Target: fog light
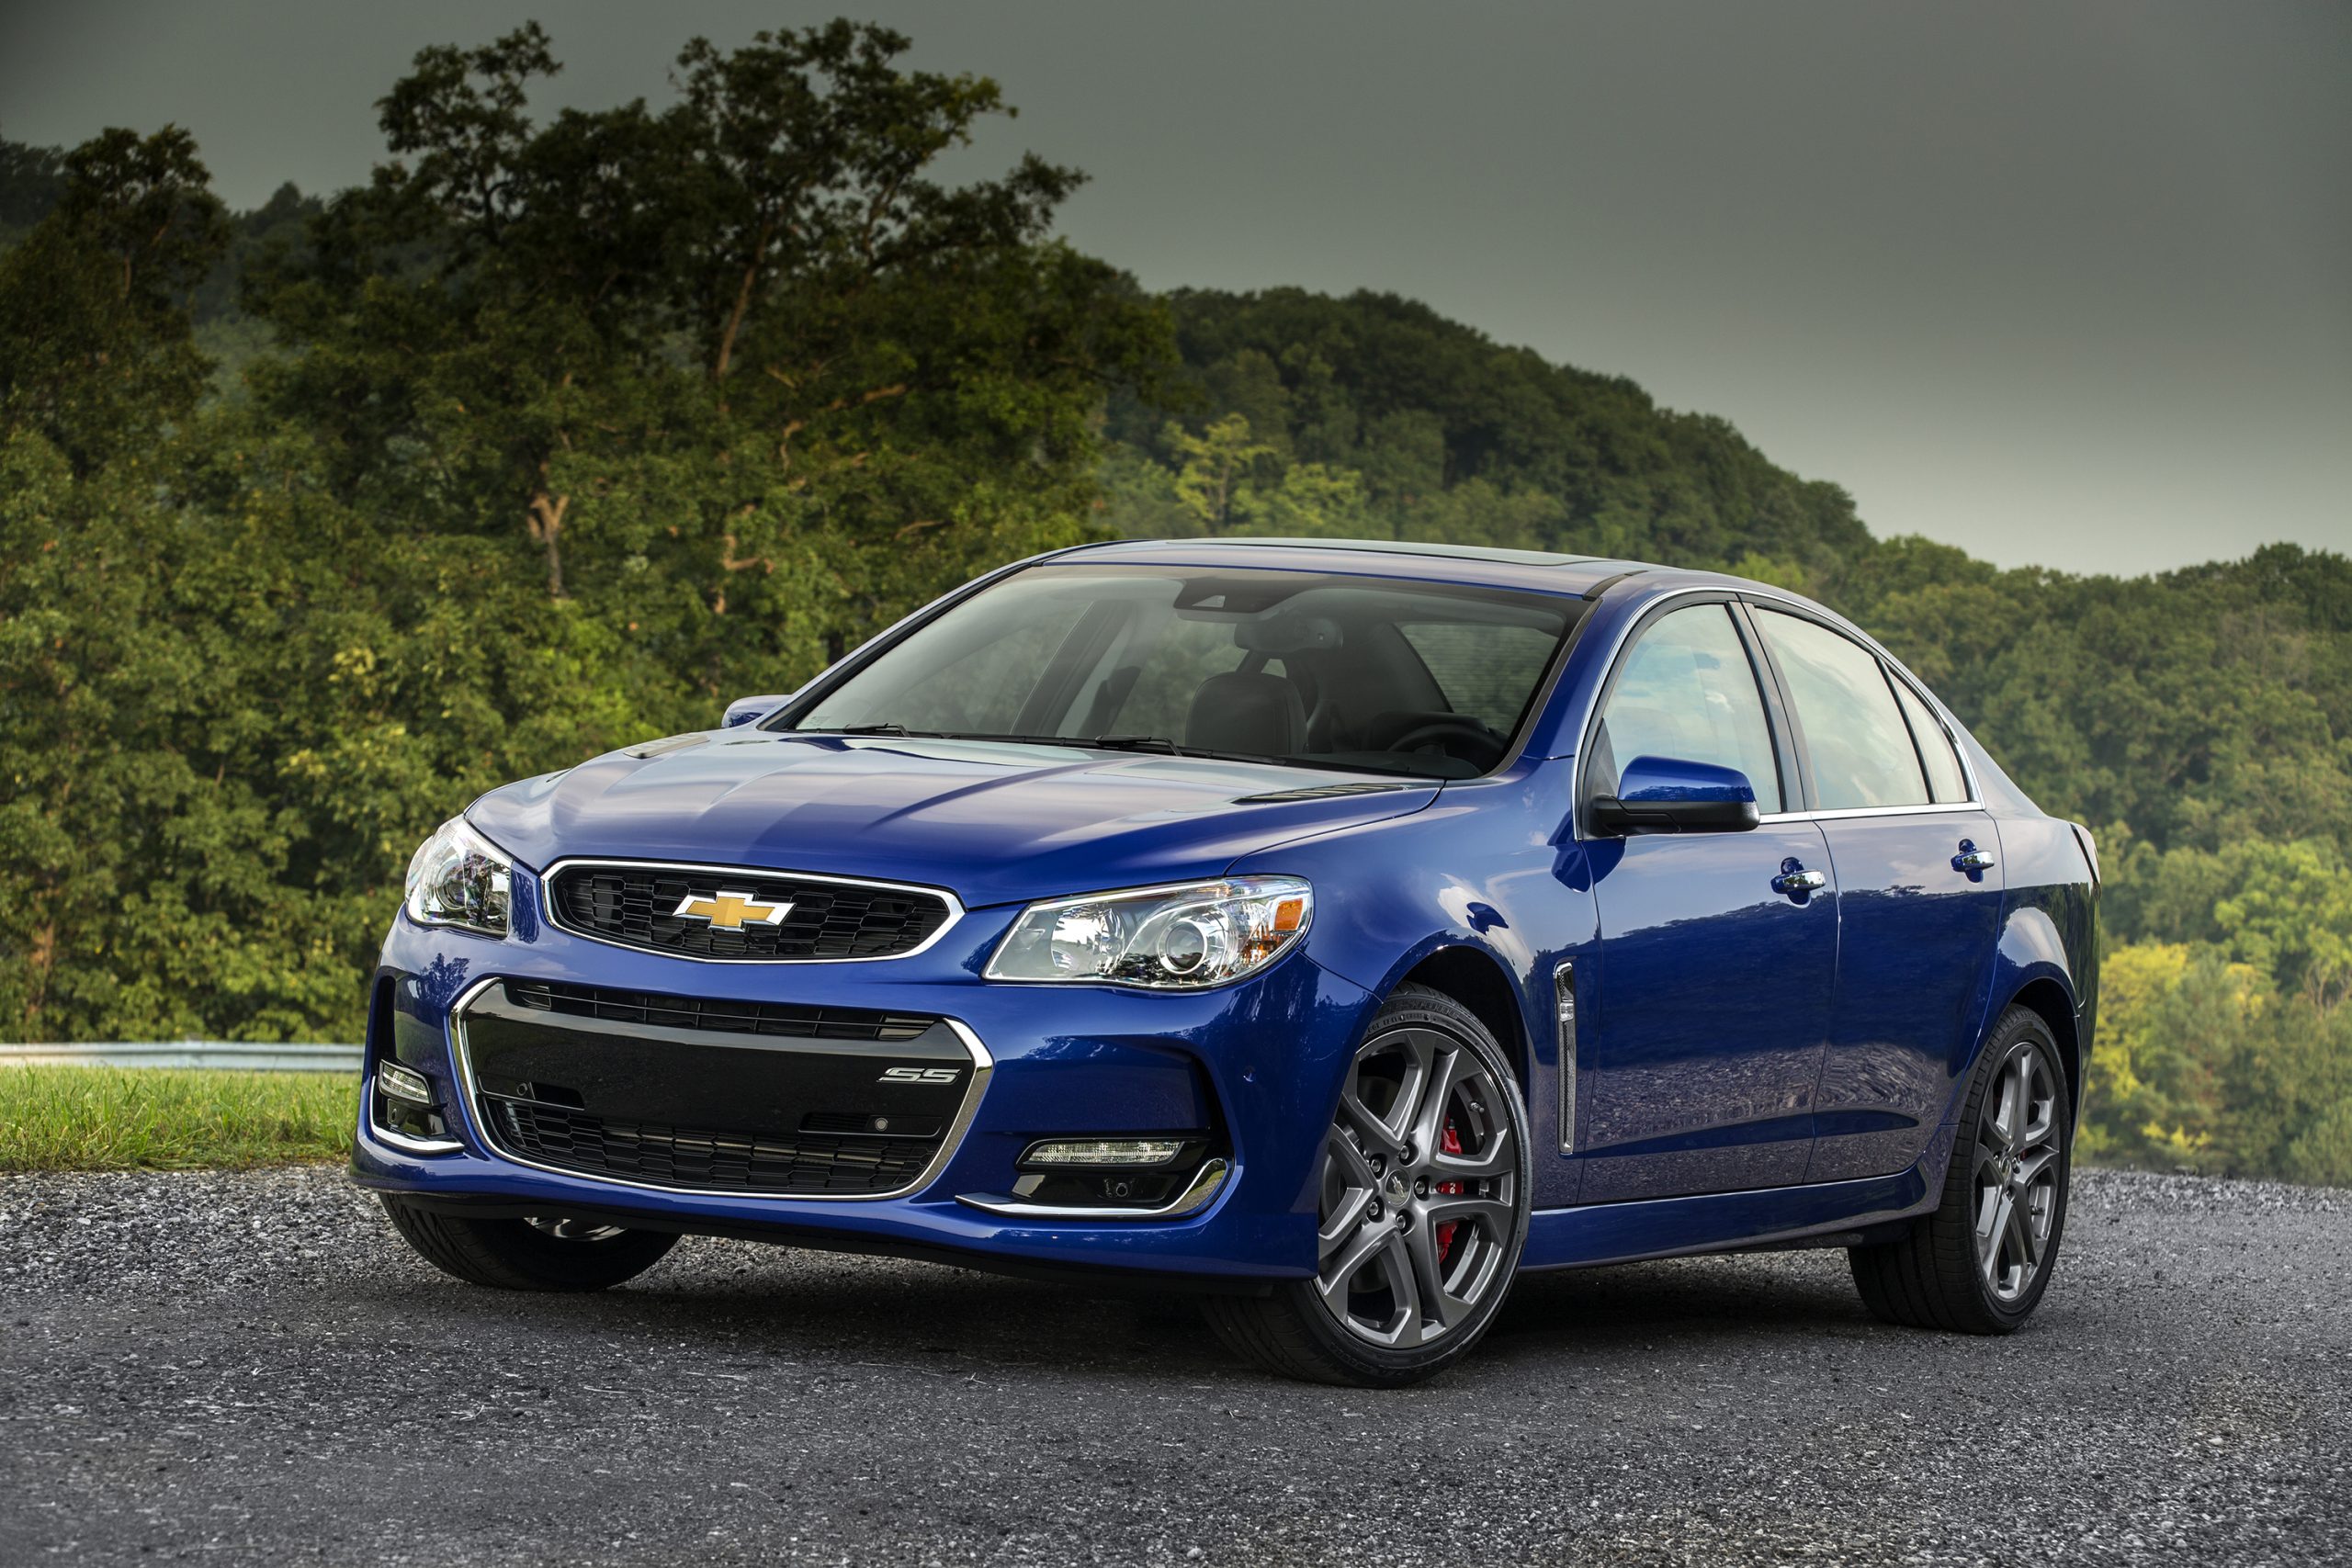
400	1083
1097	1153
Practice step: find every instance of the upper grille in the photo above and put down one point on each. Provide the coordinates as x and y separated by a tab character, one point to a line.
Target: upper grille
785	1019
636	906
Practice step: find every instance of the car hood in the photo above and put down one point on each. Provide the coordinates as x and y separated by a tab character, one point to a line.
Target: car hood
992	822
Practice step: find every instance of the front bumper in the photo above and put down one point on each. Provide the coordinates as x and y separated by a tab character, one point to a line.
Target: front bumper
1060	1060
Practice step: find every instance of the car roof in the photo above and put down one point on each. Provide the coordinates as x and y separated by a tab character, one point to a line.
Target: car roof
1483	566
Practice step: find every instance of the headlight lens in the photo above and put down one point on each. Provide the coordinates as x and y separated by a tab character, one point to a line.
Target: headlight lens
459	878
1179	939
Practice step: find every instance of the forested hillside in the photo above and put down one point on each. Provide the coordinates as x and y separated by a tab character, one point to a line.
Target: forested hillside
318	520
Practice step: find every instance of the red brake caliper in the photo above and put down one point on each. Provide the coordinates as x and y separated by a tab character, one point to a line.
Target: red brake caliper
1451	1145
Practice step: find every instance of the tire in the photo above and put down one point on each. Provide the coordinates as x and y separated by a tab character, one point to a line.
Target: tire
1966	1268
1416	1245
527	1255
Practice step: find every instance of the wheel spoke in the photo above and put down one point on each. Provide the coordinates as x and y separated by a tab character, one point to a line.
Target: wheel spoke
1342	1223
1354	1169
1334	1278
2017	1230
1429	1275
1990	1228
2035	1165
1389	1140
1404	1289
1493	1212
1446	1073
1498	1158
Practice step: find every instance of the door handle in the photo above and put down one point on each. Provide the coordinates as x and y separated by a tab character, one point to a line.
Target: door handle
1794	879
1971	859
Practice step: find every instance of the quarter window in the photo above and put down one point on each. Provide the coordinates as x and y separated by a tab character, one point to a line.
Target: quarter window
1854	735
1945	780
1688	691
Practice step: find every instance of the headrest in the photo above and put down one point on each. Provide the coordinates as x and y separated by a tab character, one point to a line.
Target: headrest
1247	711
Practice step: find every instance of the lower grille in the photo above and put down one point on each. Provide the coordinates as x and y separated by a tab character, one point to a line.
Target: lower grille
709	1094
693	1157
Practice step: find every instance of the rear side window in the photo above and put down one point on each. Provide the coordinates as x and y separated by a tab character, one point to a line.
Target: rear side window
1944	777
1854	734
1486	671
1688	691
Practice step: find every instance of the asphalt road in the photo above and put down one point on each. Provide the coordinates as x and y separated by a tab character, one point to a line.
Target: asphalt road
253	1369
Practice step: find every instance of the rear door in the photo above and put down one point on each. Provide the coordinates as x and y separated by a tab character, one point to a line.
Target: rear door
1717	952
1916	862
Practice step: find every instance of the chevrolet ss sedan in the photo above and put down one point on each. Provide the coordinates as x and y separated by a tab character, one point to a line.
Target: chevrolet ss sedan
1335	930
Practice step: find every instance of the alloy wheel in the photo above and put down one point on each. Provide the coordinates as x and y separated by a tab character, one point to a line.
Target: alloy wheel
2018	1170
1419	1191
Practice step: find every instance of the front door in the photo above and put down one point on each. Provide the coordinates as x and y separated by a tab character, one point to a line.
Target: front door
1708	999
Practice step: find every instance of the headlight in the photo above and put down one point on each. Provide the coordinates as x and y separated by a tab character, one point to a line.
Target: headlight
1165	938
459	878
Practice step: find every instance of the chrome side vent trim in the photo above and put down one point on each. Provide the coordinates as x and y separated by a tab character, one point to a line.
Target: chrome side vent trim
1563	999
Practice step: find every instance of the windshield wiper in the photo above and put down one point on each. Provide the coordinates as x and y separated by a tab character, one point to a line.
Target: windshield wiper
1158	743
1143	743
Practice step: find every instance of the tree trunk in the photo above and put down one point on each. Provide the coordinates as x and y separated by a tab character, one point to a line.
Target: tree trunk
545	523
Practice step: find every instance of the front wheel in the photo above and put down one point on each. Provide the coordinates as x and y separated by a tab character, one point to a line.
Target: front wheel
1421	1211
1981	1262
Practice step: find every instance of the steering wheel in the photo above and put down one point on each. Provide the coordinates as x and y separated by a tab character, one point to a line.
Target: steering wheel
1476	744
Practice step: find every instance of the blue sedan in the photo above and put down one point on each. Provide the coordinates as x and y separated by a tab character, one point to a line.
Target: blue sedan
1335	930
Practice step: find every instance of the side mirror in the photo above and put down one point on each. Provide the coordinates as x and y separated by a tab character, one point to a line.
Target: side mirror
747	710
1667	795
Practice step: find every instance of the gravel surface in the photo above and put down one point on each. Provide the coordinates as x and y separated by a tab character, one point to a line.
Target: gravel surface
252	1368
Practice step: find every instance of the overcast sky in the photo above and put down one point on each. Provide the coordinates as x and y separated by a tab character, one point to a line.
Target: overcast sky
2067	284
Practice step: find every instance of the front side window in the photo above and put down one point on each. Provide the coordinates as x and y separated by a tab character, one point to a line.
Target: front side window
1320	670
1854	735
1687	692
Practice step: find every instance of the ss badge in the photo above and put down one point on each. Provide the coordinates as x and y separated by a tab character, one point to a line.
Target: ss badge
919	1075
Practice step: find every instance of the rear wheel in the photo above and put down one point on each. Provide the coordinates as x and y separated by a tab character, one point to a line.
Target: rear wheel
528	1254
1422	1210
1981	1262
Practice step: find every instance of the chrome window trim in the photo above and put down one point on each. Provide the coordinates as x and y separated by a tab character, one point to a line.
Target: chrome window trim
1846	813
1975	801
955	910
1206	1185
983	1065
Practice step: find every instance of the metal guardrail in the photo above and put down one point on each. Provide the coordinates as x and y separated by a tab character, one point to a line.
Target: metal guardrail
230	1055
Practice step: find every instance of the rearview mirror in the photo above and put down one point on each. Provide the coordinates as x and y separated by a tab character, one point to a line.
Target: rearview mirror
748	710
1668	795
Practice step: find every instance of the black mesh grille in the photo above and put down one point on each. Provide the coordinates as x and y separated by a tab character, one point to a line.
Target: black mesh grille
638	905
731	1018
696	1156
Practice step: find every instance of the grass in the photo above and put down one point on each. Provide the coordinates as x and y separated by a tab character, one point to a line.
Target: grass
73	1118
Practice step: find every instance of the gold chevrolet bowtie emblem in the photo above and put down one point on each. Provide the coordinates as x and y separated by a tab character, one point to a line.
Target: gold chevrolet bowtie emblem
730	911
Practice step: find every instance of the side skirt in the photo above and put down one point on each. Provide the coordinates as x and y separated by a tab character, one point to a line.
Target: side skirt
1834	1214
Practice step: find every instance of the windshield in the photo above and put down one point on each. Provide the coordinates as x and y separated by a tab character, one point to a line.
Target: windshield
1361	673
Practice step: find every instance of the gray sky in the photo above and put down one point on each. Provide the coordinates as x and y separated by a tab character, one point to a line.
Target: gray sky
2068	284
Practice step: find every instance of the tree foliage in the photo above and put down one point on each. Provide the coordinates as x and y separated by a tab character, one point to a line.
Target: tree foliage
317	520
